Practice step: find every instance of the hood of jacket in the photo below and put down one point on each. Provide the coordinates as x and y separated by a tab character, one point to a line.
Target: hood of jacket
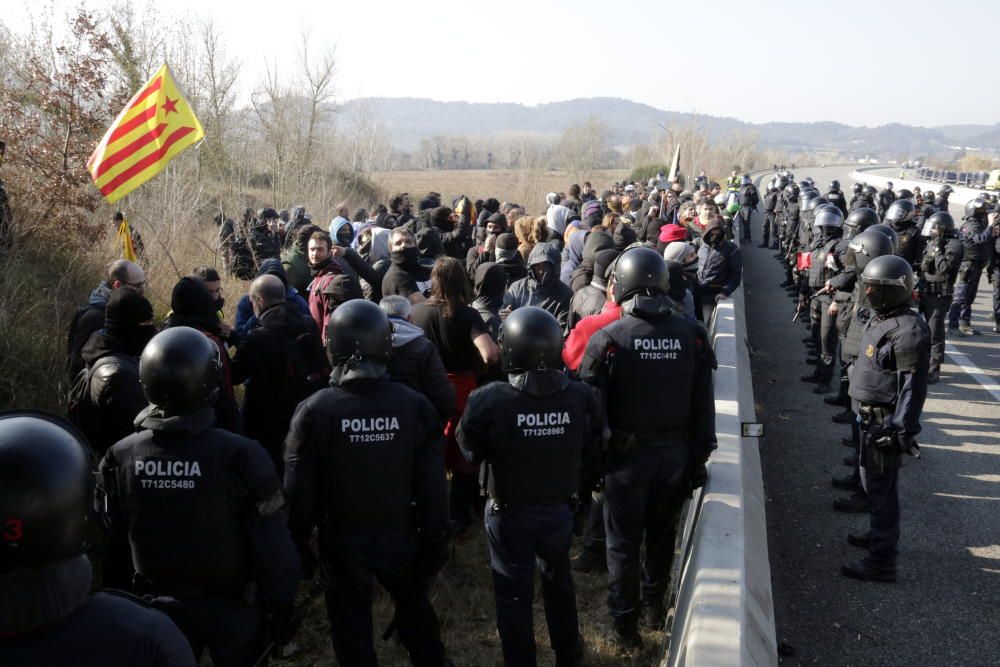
715	224
573	255
595	243
284	317
377	248
101	344
404	332
338	223
99	296
540	254
555	218
273	267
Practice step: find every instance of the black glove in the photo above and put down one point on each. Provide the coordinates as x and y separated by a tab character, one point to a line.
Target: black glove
279	622
433	556
697	475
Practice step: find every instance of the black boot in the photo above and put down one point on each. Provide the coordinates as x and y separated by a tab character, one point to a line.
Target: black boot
845	417
863	571
846	483
856	503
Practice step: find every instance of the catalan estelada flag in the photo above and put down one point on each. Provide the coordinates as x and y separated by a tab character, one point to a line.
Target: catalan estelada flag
156	124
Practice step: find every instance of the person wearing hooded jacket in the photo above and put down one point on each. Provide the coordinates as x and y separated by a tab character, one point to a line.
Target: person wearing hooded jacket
494	226
490	285
414	360
720	267
590	299
295	258
454	231
111	355
284	340
572	253
541	287
372	244
246	320
556	219
584	273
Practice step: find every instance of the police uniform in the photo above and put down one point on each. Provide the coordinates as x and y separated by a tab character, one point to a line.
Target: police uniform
770	227
200	507
889	381
911	244
538	435
824	264
975	237
657	451
939	270
359	457
836	197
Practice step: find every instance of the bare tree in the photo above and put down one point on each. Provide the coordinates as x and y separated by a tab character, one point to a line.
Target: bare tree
218	76
582	147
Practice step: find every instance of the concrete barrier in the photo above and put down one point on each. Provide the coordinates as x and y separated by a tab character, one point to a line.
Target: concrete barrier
724	612
959	196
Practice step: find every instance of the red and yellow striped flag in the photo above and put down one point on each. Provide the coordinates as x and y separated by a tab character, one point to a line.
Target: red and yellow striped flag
156	124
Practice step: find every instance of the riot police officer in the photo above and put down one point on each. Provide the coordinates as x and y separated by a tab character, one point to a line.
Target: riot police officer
47	616
925	208
538	434
976	238
938	272
862	249
910	243
364	462
655	457
867	198
201	508
825	263
889	381
885	199
790	231
836	197
770	228
856	190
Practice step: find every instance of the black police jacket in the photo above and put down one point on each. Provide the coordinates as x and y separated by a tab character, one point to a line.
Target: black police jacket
822	256
911	244
770	201
358	457
201	508
975	235
656	348
536	437
47	618
836	197
891	369
939	265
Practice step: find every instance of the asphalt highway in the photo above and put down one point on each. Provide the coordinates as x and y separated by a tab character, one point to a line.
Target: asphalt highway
943	609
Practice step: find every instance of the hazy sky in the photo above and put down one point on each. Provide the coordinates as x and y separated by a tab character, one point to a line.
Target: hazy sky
862	63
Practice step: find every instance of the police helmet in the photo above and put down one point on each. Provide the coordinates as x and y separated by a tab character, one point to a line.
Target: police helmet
900	213
810	181
803	185
830	217
976	208
826	207
904	194
861	219
857	188
888	282
745	180
530	339
811	203
45	490
943	222
888	185
868	245
180	370
834	184
781	183
359	330
889	232
791	190
869	191
640	270
267	214
808	193
945	191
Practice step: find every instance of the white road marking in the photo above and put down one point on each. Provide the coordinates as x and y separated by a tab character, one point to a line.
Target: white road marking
962	361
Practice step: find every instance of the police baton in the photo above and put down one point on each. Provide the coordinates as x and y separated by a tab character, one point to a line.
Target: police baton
273	648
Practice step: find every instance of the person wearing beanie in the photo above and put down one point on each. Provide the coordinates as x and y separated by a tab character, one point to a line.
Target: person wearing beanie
107	392
668	234
454	231
678	291
624	236
191	305
590	299
494	225
687	255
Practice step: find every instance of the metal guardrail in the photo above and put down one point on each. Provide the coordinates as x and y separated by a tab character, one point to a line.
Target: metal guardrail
724	612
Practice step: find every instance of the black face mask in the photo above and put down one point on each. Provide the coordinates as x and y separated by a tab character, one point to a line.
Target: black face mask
136	337
407	257
219	303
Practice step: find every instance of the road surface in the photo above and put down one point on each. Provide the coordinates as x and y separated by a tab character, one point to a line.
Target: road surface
943	609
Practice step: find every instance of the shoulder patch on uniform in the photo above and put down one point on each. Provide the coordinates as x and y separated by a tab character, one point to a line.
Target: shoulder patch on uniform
870	352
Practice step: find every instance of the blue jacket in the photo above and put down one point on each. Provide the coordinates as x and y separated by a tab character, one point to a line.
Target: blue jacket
245	319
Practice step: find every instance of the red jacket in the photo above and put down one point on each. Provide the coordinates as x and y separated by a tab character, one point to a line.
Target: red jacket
576	344
318	307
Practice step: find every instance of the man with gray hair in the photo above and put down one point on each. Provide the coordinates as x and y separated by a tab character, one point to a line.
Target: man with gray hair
90	318
414	360
281	363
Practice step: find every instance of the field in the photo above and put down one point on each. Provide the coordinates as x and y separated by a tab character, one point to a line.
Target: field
527	187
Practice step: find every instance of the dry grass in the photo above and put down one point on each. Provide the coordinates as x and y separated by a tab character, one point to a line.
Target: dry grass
463	599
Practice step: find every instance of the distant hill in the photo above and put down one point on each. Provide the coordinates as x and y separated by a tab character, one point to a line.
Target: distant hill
413	119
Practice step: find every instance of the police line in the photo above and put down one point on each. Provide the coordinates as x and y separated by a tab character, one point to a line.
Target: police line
724	611
960	196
